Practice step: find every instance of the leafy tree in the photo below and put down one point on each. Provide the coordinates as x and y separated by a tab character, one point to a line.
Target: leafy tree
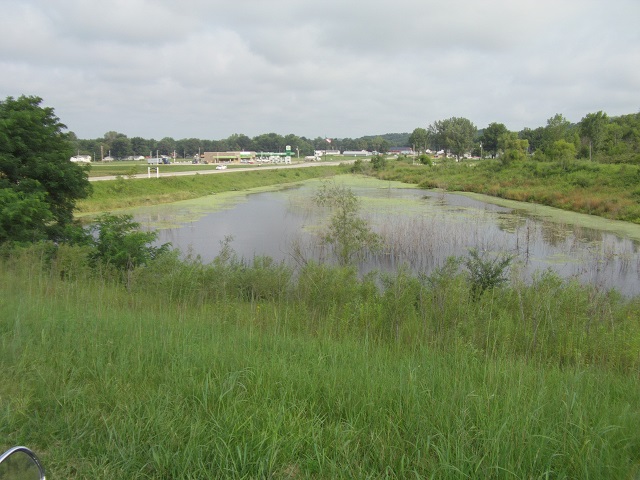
23	218
268	142
419	139
119	242
593	128
535	137
378	162
349	234
454	134
239	141
140	146
513	149
558	128
121	147
491	136
35	167
166	146
562	152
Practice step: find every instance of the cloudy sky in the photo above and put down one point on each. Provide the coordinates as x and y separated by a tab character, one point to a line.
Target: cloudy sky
336	68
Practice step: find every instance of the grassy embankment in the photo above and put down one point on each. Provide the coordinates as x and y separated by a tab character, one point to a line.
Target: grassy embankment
607	190
128	192
230	370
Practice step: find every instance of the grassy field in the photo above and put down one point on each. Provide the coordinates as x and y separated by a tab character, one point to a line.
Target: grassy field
607	190
232	370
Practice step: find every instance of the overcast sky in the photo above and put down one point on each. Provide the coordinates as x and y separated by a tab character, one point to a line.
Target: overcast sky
335	68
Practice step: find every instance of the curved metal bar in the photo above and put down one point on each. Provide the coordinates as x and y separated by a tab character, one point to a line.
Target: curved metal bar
29	453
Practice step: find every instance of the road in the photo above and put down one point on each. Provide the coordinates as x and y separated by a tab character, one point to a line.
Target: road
213	171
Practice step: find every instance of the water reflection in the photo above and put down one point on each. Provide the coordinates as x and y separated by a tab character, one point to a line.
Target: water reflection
420	228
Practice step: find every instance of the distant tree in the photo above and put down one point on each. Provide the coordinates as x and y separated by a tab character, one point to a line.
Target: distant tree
454	134
513	148
419	139
534	137
40	184
593	130
238	141
140	146
491	136
120	147
378	162
166	146
558	128
377	144
562	152
268	142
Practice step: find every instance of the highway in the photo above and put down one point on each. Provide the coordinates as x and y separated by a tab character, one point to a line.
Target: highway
213	171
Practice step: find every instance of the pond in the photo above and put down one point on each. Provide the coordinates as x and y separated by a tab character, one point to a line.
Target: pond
420	228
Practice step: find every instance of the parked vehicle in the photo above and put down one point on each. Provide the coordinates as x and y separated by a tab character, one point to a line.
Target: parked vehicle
20	463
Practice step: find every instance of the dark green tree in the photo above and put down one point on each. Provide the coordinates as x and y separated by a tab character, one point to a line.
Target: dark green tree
121	147
455	134
491	136
419	139
35	167
593	129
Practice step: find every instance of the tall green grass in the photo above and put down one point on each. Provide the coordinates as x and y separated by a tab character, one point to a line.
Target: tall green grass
245	369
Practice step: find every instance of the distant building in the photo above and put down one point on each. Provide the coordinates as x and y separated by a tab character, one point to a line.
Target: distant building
401	150
235	157
356	153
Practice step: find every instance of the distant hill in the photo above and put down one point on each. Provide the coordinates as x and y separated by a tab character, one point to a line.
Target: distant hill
395	139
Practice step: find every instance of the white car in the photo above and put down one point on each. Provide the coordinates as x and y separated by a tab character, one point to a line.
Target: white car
221	167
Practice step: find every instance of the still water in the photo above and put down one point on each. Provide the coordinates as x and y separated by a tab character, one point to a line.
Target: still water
420	228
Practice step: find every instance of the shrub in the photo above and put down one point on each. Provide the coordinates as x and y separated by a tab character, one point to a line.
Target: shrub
486	273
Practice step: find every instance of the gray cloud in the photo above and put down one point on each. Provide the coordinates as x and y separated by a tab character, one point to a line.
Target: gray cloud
200	68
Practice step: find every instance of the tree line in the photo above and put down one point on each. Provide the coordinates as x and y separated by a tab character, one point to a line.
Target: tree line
597	136
119	146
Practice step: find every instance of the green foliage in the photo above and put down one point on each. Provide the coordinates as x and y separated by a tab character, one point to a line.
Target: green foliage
35	166
486	273
419	138
349	234
513	149
23	217
425	159
119	242
562	152
379	162
358	166
455	134
491	138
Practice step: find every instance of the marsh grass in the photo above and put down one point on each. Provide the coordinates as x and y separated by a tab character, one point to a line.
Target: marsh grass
605	190
247	370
